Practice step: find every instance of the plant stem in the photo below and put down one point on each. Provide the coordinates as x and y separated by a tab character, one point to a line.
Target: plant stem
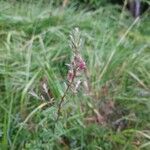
64	95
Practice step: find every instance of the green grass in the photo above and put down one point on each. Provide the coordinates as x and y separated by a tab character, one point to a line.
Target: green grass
34	44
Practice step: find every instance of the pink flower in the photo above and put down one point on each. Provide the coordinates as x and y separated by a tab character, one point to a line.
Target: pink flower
82	65
79	62
70	75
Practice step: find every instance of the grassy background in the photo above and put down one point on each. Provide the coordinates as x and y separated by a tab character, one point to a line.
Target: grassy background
34	45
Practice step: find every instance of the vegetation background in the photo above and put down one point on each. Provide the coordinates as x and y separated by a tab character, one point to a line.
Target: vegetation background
34	51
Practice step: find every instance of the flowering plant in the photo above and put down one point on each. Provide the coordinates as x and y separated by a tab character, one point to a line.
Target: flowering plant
77	68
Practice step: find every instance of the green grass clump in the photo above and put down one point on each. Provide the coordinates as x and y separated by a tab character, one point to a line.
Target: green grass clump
34	48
